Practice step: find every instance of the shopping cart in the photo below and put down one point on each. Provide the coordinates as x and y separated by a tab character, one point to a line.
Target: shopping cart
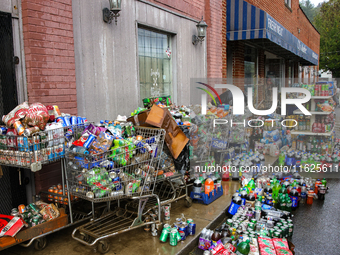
32	152
127	171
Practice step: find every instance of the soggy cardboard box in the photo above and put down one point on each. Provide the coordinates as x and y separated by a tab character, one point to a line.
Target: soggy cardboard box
175	139
139	119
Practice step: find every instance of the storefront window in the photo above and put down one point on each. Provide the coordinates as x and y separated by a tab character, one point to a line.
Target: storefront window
155	68
250	68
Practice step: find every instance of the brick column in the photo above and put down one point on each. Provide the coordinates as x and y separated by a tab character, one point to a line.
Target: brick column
49	53
238	64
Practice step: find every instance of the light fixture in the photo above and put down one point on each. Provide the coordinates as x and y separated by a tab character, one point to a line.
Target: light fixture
115	7
201	31
299	30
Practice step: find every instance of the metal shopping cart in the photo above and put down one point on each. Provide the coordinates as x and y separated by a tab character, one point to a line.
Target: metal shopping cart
128	171
32	152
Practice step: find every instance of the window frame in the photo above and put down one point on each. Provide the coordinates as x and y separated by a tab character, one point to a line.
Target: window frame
173	46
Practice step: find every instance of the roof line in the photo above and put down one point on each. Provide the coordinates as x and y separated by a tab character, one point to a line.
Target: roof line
308	19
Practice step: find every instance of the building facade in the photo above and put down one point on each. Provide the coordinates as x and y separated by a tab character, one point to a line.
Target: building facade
70	57
270	43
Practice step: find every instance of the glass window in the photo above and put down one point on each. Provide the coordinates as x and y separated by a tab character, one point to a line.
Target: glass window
250	70
155	66
289	3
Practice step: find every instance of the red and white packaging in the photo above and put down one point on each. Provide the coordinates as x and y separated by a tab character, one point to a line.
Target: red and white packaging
16	114
280	243
230	247
37	115
218	248
283	252
9	225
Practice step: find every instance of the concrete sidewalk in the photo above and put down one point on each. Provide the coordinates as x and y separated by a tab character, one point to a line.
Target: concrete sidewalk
138	241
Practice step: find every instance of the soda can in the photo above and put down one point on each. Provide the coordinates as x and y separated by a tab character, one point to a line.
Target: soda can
73	120
182	235
173	237
31	131
14	158
164	235
3	130
20	142
50	153
290	229
61	151
22	158
19	127
89	141
167	226
79	120
17	158
166	212
36	141
55	151
10	157
34	207
183	227
190	220
62	121
69	134
192	228
67	121
84	120
22	208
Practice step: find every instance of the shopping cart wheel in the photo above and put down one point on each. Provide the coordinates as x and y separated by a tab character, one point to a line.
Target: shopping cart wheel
103	247
85	237
188	201
40	243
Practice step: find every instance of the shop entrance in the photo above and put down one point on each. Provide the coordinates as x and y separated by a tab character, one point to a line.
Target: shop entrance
12	193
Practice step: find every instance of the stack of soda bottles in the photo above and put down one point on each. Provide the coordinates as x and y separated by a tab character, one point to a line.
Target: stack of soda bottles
311	161
246	233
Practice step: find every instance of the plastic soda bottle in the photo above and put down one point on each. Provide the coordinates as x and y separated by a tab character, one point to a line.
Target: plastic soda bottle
303	194
208	186
324	182
282	158
243	248
310	197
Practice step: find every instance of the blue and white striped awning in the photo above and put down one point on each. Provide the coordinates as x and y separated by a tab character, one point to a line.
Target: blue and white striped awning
248	22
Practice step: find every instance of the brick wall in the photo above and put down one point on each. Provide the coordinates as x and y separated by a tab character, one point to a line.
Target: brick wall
292	19
49	53
214	14
238	64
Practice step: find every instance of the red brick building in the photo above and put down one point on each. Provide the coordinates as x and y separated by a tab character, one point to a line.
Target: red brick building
270	41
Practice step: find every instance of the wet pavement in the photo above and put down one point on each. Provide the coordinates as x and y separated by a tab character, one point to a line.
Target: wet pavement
138	241
317	226
316	229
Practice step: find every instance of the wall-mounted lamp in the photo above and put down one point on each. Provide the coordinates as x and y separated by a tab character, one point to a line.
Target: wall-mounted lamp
299	30
115	7
201	32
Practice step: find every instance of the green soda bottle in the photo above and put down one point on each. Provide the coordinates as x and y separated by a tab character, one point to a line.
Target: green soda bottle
283	190
324	182
243	248
288	203
251	185
282	158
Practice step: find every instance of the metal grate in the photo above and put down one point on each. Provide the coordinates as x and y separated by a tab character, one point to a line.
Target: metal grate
12	193
8	92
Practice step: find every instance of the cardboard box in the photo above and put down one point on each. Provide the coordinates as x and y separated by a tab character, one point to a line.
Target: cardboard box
175	139
140	119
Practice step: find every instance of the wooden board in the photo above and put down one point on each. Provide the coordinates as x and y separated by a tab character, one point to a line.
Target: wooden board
29	233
